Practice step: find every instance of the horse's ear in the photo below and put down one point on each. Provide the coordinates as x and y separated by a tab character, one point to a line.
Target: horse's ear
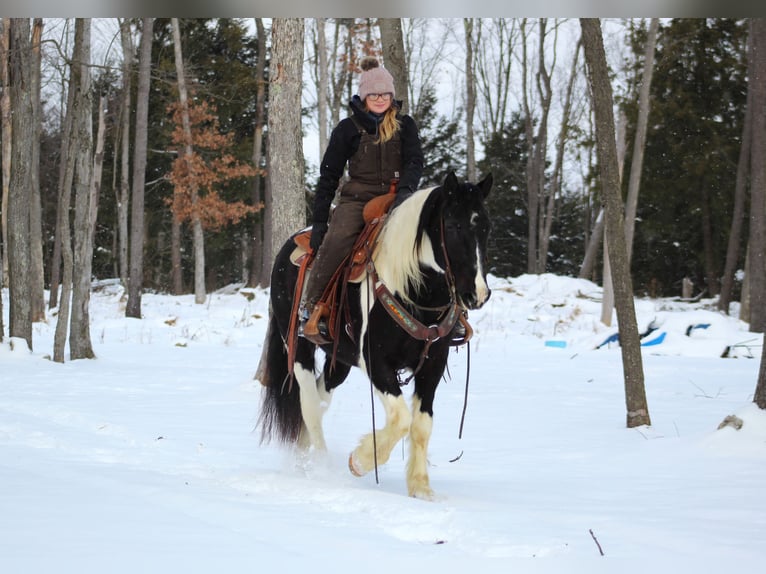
450	185
485	185
450	182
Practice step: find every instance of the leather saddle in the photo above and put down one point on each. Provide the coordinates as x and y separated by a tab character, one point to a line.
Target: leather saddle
353	269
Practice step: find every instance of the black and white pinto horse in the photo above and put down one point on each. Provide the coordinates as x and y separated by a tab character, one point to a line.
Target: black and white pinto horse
431	255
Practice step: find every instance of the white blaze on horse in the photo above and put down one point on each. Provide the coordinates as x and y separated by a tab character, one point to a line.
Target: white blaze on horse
427	269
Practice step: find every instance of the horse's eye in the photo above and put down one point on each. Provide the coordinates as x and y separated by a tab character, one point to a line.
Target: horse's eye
474	219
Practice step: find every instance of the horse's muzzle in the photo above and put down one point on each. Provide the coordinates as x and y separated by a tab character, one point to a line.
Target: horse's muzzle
476	299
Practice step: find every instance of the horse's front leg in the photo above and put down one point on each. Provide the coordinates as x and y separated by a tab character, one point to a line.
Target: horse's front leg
314	401
398	420
418	484
426	381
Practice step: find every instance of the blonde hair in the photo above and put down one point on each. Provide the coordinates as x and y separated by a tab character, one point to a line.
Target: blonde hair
389	125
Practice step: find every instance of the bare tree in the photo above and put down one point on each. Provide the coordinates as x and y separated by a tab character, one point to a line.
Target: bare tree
470	100
740	198
285	153
5	127
634	182
639	144
80	346
65	176
36	271
259	275
757	242
558	167
756	107
20	190
394	57
323	84
64	238
495	42
135	284
123	195
197	232
537	142
635	394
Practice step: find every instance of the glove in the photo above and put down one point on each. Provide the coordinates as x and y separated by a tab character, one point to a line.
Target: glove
318	230
401	194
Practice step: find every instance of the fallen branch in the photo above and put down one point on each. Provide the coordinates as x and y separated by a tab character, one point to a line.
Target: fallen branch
596	541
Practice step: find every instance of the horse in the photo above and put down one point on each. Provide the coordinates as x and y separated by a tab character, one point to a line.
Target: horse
430	262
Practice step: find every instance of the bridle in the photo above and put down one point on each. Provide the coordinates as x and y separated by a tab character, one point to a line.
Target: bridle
449	313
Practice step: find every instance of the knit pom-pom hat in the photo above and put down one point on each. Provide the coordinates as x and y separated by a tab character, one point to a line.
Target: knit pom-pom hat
374	79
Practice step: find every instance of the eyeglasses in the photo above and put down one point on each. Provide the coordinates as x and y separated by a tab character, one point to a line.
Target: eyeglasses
376	97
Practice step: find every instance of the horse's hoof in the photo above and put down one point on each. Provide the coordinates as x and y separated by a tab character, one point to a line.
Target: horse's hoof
352	467
423	493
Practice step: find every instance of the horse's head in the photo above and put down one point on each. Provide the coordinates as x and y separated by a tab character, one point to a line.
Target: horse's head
466	229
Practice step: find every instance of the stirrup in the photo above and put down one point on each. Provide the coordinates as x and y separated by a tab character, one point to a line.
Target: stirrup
315	328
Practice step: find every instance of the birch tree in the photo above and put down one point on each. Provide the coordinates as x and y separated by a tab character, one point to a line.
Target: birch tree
598	76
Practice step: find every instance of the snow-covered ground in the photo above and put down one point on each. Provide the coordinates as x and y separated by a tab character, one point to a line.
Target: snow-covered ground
146	459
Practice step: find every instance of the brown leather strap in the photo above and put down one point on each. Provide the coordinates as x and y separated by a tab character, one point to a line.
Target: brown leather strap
292	332
409	323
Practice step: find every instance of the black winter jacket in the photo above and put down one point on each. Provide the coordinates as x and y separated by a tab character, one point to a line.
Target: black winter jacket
344	143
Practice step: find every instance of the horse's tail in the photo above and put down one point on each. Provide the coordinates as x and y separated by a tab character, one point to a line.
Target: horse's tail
280	416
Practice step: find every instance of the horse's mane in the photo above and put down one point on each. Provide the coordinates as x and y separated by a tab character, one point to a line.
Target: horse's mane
403	247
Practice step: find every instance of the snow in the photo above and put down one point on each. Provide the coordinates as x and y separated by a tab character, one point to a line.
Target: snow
147	459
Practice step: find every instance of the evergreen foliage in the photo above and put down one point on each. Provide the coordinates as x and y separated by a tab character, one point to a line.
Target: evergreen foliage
687	187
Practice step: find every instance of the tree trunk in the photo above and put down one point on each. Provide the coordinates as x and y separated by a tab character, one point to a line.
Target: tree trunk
470	101
394	57
64	240
135	284
123	198
591	250
711	277
760	388
20	192
36	270
257	243
607	292
537	144
757	267
324	84
197	232
639	143
740	198
65	177
176	271
635	394
80	346
5	127
607	300
285	152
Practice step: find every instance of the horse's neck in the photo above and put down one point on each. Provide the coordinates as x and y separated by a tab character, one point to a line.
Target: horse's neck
435	291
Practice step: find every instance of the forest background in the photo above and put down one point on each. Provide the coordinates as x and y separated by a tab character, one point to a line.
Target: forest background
190	98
